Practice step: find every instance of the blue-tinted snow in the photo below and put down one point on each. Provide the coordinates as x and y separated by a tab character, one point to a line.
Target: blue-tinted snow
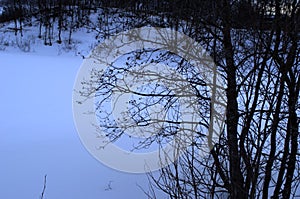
38	136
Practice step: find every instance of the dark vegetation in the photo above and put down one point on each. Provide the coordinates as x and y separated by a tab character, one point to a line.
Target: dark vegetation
69	15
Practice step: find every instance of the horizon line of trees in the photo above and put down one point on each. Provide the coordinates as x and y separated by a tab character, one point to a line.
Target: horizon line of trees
69	15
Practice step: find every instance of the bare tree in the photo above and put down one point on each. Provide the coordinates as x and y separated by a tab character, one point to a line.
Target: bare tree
256	155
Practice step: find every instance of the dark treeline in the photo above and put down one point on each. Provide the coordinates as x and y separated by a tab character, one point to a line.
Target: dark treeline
69	15
66	14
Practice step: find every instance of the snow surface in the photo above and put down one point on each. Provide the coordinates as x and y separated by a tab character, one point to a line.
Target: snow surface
38	135
37	131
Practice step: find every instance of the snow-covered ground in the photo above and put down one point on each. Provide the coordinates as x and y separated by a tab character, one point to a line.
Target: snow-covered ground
38	135
37	131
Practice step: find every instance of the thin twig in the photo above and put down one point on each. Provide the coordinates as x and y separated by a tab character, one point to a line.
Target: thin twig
44	188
